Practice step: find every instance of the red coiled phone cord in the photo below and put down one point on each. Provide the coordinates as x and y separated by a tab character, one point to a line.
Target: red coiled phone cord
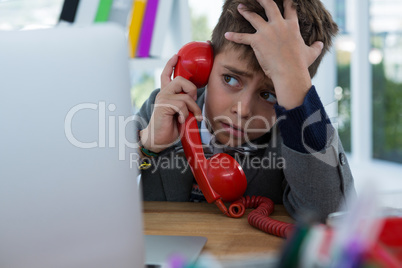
259	218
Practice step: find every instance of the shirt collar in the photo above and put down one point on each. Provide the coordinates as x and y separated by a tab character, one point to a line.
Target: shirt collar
206	136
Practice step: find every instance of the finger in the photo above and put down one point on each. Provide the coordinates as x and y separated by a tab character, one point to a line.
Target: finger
255	20
271	9
240	38
166	97
182	85
191	105
316	49
168	71
182	104
171	109
290	12
181	111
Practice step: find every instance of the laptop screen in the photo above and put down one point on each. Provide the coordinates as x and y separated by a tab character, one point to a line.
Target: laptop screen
68	190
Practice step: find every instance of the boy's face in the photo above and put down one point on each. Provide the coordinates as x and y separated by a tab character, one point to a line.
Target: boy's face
239	104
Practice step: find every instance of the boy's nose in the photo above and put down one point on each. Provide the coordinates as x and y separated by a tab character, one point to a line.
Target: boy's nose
243	107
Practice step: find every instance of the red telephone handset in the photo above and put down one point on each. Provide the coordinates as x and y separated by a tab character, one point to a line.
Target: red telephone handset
220	178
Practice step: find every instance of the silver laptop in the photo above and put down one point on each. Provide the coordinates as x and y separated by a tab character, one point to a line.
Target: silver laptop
68	170
68	190
167	250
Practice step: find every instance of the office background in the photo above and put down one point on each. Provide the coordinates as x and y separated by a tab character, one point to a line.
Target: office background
360	81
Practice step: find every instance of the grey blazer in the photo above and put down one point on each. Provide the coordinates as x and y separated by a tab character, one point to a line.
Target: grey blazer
318	182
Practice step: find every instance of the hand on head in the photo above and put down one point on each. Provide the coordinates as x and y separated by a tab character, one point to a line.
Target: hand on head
280	49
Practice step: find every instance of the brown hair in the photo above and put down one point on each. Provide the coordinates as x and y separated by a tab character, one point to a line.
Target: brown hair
315	22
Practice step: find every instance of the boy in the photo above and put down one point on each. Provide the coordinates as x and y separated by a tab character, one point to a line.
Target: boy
265	53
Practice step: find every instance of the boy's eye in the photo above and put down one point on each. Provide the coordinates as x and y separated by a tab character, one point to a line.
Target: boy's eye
268	96
230	80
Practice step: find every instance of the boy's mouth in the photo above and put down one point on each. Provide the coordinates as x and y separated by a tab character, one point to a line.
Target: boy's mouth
233	129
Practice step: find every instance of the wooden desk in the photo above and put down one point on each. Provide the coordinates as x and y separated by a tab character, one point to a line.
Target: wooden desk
226	236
